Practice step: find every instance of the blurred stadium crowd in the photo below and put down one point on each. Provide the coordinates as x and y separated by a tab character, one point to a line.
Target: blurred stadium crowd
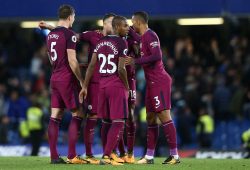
210	92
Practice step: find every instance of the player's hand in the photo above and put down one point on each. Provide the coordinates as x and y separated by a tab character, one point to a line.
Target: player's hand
43	25
131	28
130	61
83	94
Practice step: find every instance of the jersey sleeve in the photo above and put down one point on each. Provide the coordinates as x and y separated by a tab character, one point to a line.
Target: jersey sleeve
123	50
71	41
153	44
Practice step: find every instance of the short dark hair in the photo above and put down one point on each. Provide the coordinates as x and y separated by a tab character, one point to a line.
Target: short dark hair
142	15
65	11
108	15
117	20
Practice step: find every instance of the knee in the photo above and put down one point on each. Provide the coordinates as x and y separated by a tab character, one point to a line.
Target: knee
77	112
164	116
151	119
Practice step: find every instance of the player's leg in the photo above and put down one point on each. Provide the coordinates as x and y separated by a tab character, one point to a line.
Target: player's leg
57	108
69	92
152	137
118	112
170	134
130	133
73	133
112	139
121	148
106	124
162	108
152	131
130	123
53	131
89	129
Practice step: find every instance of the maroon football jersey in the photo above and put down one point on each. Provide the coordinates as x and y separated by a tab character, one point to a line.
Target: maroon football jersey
58	41
108	51
92	37
154	72
130	69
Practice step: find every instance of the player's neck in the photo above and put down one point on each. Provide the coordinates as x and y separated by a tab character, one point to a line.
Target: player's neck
143	29
104	32
62	23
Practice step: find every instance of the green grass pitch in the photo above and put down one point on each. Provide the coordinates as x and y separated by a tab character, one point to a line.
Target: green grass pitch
42	163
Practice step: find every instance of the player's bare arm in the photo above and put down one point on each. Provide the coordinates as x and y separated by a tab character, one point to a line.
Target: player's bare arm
74	65
136	50
122	71
44	25
89	73
90	69
129	61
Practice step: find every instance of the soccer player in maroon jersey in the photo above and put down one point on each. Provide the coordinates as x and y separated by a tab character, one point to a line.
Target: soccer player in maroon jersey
158	90
65	84
110	53
92	37
128	157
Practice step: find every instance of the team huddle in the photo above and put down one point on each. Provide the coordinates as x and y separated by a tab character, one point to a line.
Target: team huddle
109	88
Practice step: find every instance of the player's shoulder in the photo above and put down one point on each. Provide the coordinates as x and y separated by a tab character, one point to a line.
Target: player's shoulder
151	33
150	36
121	41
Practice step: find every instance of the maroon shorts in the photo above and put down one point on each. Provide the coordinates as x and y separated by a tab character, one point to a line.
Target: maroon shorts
92	98
113	103
158	98
64	94
132	91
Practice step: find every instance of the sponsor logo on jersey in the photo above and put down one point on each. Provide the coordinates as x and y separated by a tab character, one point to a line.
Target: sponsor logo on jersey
154	44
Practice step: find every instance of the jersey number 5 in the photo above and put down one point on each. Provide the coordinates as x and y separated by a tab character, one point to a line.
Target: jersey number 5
104	61
52	50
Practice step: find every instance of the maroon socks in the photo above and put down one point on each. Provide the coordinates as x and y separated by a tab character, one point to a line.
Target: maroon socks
89	132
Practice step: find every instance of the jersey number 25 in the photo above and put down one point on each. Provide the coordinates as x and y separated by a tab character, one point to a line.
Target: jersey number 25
107	60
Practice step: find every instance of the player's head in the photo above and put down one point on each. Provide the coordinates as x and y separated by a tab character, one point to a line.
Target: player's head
120	25
107	22
67	13
139	18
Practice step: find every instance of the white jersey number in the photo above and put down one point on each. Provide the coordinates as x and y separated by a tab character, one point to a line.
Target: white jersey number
104	61
132	94
54	57
157	102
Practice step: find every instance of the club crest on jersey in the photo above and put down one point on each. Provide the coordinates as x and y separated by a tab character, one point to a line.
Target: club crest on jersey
154	44
90	107
73	38
125	51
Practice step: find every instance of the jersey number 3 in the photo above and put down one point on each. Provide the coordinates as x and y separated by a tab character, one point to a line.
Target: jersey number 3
157	102
109	62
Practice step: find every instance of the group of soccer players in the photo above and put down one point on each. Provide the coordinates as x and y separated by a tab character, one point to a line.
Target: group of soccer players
108	88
